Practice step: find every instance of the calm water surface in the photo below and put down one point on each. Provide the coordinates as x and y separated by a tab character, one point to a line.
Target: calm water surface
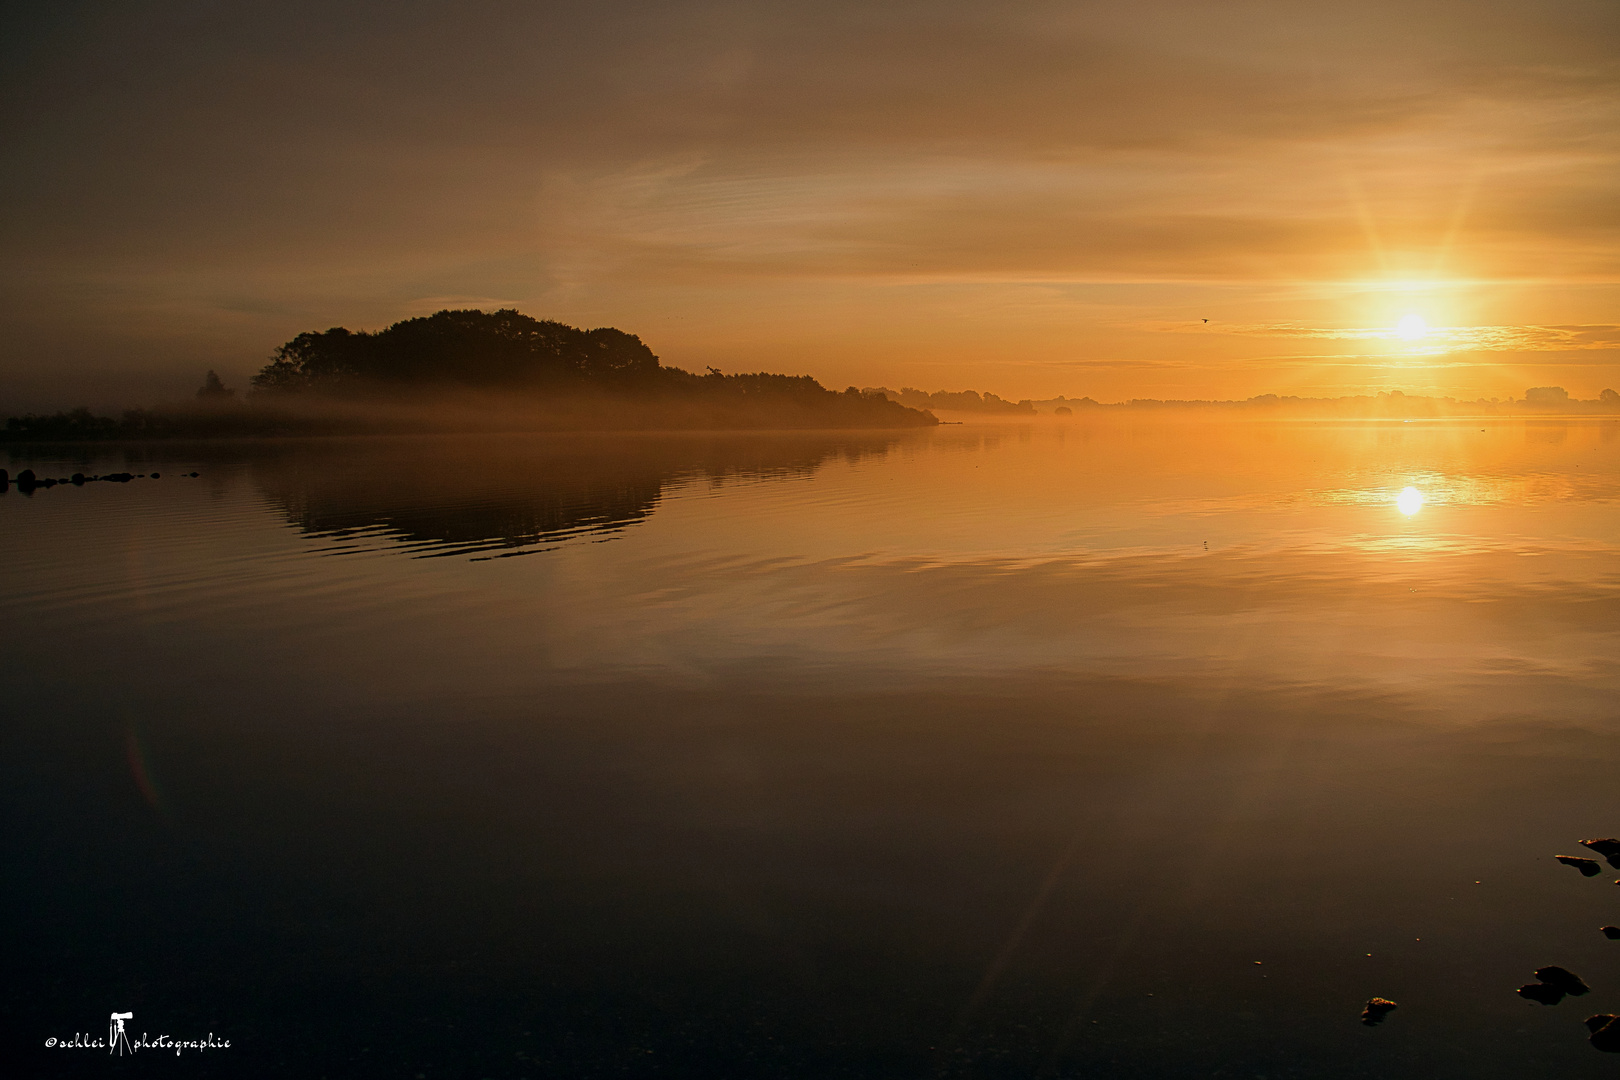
1136	750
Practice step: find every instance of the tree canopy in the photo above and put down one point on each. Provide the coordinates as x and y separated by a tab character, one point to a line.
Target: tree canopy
213	389
468	348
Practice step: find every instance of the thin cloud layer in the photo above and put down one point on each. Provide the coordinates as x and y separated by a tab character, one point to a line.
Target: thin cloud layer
1449	338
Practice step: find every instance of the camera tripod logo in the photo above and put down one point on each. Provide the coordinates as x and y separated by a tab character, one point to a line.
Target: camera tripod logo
117	1040
121	1042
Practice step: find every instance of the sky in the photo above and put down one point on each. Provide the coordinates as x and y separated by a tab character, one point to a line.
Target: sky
1028	198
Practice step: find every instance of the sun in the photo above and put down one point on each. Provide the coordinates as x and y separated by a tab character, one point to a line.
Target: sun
1411	327
1409	501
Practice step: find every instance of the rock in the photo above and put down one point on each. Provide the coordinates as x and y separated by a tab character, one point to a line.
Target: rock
1566	980
124	478
1605	1033
77	479
25	478
1611	932
1373	1013
1541	993
1587	867
193	474
156	475
1609	848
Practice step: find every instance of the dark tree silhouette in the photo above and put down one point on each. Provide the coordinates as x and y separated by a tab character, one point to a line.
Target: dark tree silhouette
508	351
212	389
531	373
959	401
468	348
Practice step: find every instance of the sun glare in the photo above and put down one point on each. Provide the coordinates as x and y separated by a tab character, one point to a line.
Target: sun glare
1411	328
1409	501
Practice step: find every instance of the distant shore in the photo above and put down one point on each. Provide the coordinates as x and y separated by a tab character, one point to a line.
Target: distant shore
1539	401
465	412
503	371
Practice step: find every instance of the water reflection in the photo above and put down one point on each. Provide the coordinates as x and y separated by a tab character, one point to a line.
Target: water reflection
978	752
513	495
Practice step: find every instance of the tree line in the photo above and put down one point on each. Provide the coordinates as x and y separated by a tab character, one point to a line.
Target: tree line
445	364
468	348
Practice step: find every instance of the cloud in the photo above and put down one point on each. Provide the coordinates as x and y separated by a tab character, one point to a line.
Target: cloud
1115	364
430	304
1441	339
627	159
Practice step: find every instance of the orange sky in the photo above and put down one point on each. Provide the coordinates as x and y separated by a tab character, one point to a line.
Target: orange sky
1028	198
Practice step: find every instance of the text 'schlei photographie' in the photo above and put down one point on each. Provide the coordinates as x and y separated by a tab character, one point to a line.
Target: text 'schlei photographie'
120	1042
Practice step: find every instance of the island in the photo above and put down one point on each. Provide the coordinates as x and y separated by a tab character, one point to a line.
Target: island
474	370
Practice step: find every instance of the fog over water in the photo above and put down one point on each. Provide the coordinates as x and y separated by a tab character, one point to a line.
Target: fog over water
1137	748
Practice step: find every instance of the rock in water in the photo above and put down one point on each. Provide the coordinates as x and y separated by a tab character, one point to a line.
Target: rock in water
1605	1033
1566	980
1611	932
1541	993
1587	867
1373	1013
1608	847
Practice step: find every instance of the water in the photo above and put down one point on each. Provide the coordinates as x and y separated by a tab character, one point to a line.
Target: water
1146	748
